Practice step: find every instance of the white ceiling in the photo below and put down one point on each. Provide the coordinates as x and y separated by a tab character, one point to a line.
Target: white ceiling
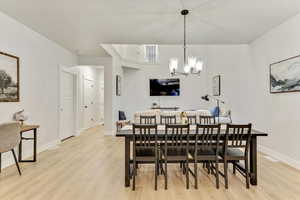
82	25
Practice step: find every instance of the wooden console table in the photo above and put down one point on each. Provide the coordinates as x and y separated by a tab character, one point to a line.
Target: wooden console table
26	128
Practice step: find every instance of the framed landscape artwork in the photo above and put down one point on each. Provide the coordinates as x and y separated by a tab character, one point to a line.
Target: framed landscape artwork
285	75
216	85
9	78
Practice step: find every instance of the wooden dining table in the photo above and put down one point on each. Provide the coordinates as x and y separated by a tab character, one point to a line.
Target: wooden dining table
127	134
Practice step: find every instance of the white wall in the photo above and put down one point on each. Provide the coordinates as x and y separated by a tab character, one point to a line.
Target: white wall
131	52
233	63
276	113
218	59
39	74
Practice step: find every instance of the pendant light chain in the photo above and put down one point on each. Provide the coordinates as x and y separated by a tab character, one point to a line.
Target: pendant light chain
184	41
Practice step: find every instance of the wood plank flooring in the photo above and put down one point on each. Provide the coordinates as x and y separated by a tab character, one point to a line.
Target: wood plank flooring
91	167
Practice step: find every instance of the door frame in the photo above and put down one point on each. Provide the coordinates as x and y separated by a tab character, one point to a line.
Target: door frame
63	69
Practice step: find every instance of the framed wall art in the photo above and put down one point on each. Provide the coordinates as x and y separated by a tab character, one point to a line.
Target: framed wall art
9	78
285	75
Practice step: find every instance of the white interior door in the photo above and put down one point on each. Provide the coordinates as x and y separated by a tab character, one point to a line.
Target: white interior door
67	119
89	103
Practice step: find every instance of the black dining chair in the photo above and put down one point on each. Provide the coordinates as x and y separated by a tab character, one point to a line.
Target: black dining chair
167	119
204	120
145	148
175	149
148	119
192	119
236	148
206	149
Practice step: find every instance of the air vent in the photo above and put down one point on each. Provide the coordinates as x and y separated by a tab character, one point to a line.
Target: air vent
151	53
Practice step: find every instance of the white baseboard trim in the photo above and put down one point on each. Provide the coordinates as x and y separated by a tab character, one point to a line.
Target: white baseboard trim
78	132
279	156
27	153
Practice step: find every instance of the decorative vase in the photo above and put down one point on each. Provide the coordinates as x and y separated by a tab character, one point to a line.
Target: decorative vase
21	116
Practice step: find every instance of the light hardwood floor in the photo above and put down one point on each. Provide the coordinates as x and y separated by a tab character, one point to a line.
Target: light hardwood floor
91	166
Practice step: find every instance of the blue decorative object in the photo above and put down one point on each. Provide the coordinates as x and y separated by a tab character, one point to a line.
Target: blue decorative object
215	111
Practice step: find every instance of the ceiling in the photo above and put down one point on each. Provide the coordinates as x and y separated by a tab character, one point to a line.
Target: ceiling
82	25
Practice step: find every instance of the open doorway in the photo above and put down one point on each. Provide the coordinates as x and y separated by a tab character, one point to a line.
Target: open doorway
81	99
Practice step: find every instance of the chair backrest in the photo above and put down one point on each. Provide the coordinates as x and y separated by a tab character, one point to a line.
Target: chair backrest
177	135
204	120
207	136
9	136
238	136
144	135
192	119
144	119
168	119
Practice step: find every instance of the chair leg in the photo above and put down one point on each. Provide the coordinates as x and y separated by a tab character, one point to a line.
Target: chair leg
226	173
133	179
17	164
184	168
158	166
0	162
247	173
133	175
196	174
136	168
234	168
166	174
187	175
217	175
156	173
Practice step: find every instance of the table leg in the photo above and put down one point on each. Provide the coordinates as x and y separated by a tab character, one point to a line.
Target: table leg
0	162
253	160
20	150
127	162
34	145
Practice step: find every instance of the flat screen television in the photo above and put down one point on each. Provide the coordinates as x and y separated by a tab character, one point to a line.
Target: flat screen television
165	87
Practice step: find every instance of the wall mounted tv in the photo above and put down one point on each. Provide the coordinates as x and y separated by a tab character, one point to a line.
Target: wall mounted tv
165	87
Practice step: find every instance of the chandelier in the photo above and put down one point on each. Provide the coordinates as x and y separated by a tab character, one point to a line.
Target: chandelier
191	65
